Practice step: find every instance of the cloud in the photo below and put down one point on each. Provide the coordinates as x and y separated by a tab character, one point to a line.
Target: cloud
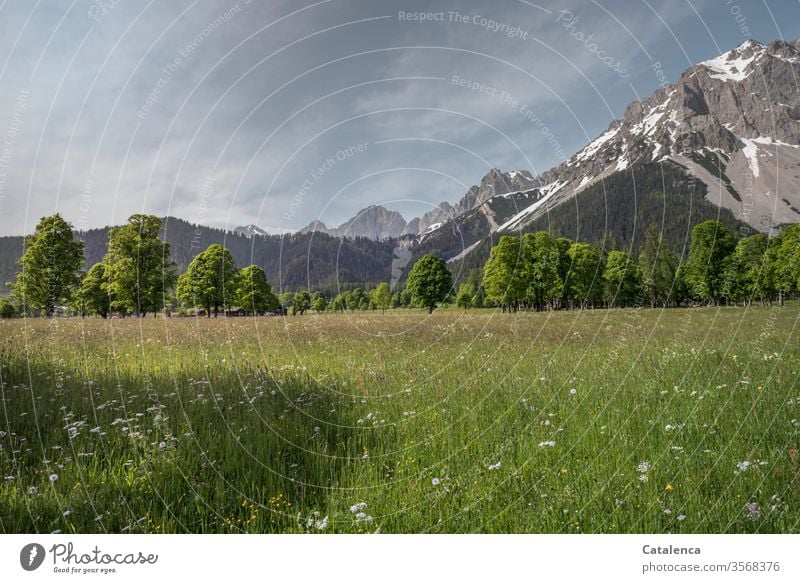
137	107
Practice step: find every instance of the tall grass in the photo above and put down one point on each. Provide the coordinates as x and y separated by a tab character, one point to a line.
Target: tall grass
595	421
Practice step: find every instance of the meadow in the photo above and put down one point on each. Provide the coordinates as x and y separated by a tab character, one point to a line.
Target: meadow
604	421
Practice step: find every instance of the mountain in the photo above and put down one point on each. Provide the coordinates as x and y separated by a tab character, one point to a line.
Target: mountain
733	122
250	231
660	193
378	223
730	126
374	222
494	183
722	142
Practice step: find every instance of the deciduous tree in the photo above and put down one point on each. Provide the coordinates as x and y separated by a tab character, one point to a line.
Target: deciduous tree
381	297
505	277
93	297
210	281
429	281
51	266
254	293
623	278
710	245
140	269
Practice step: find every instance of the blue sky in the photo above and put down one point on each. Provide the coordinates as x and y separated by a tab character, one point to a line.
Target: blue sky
281	112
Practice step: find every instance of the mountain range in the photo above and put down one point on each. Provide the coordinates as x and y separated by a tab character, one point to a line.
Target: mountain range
733	122
722	142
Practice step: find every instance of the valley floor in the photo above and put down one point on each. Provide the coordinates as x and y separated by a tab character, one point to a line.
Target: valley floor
682	420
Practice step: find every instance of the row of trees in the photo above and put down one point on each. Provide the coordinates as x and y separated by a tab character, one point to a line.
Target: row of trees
544	272
136	275
429	283
533	271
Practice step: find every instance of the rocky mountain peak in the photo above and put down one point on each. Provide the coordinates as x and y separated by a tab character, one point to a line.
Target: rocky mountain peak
730	120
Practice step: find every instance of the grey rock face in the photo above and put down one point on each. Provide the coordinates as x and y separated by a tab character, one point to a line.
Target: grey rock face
741	106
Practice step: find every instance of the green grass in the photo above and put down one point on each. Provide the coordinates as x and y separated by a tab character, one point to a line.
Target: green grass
273	424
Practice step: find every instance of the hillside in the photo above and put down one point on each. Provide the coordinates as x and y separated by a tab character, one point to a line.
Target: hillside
621	207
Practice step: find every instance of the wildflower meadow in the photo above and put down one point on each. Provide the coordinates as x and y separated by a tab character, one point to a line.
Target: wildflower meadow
612	421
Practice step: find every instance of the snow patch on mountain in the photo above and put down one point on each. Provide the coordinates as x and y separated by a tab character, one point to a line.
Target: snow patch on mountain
750	152
733	65
464	253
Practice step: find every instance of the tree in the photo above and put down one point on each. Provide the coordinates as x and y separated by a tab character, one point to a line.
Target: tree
784	261
301	302
286	300
465	296
505	276
747	274
7	309
93	296
140	270
210	281
710	245
51	266
354	298
543	261
585	277
338	303
429	281
406	299
658	264
318	302
623	279
382	297
254	293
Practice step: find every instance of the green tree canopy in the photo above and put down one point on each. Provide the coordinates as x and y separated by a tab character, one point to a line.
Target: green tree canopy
505	275
465	297
93	296
585	277
381	297
429	281
254	293
784	259
659	265
51	266
211	280
319	302
543	258
623	279
710	245
140	270
7	309
301	302
747	273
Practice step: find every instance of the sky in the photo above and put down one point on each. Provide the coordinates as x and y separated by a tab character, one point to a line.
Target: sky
278	113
